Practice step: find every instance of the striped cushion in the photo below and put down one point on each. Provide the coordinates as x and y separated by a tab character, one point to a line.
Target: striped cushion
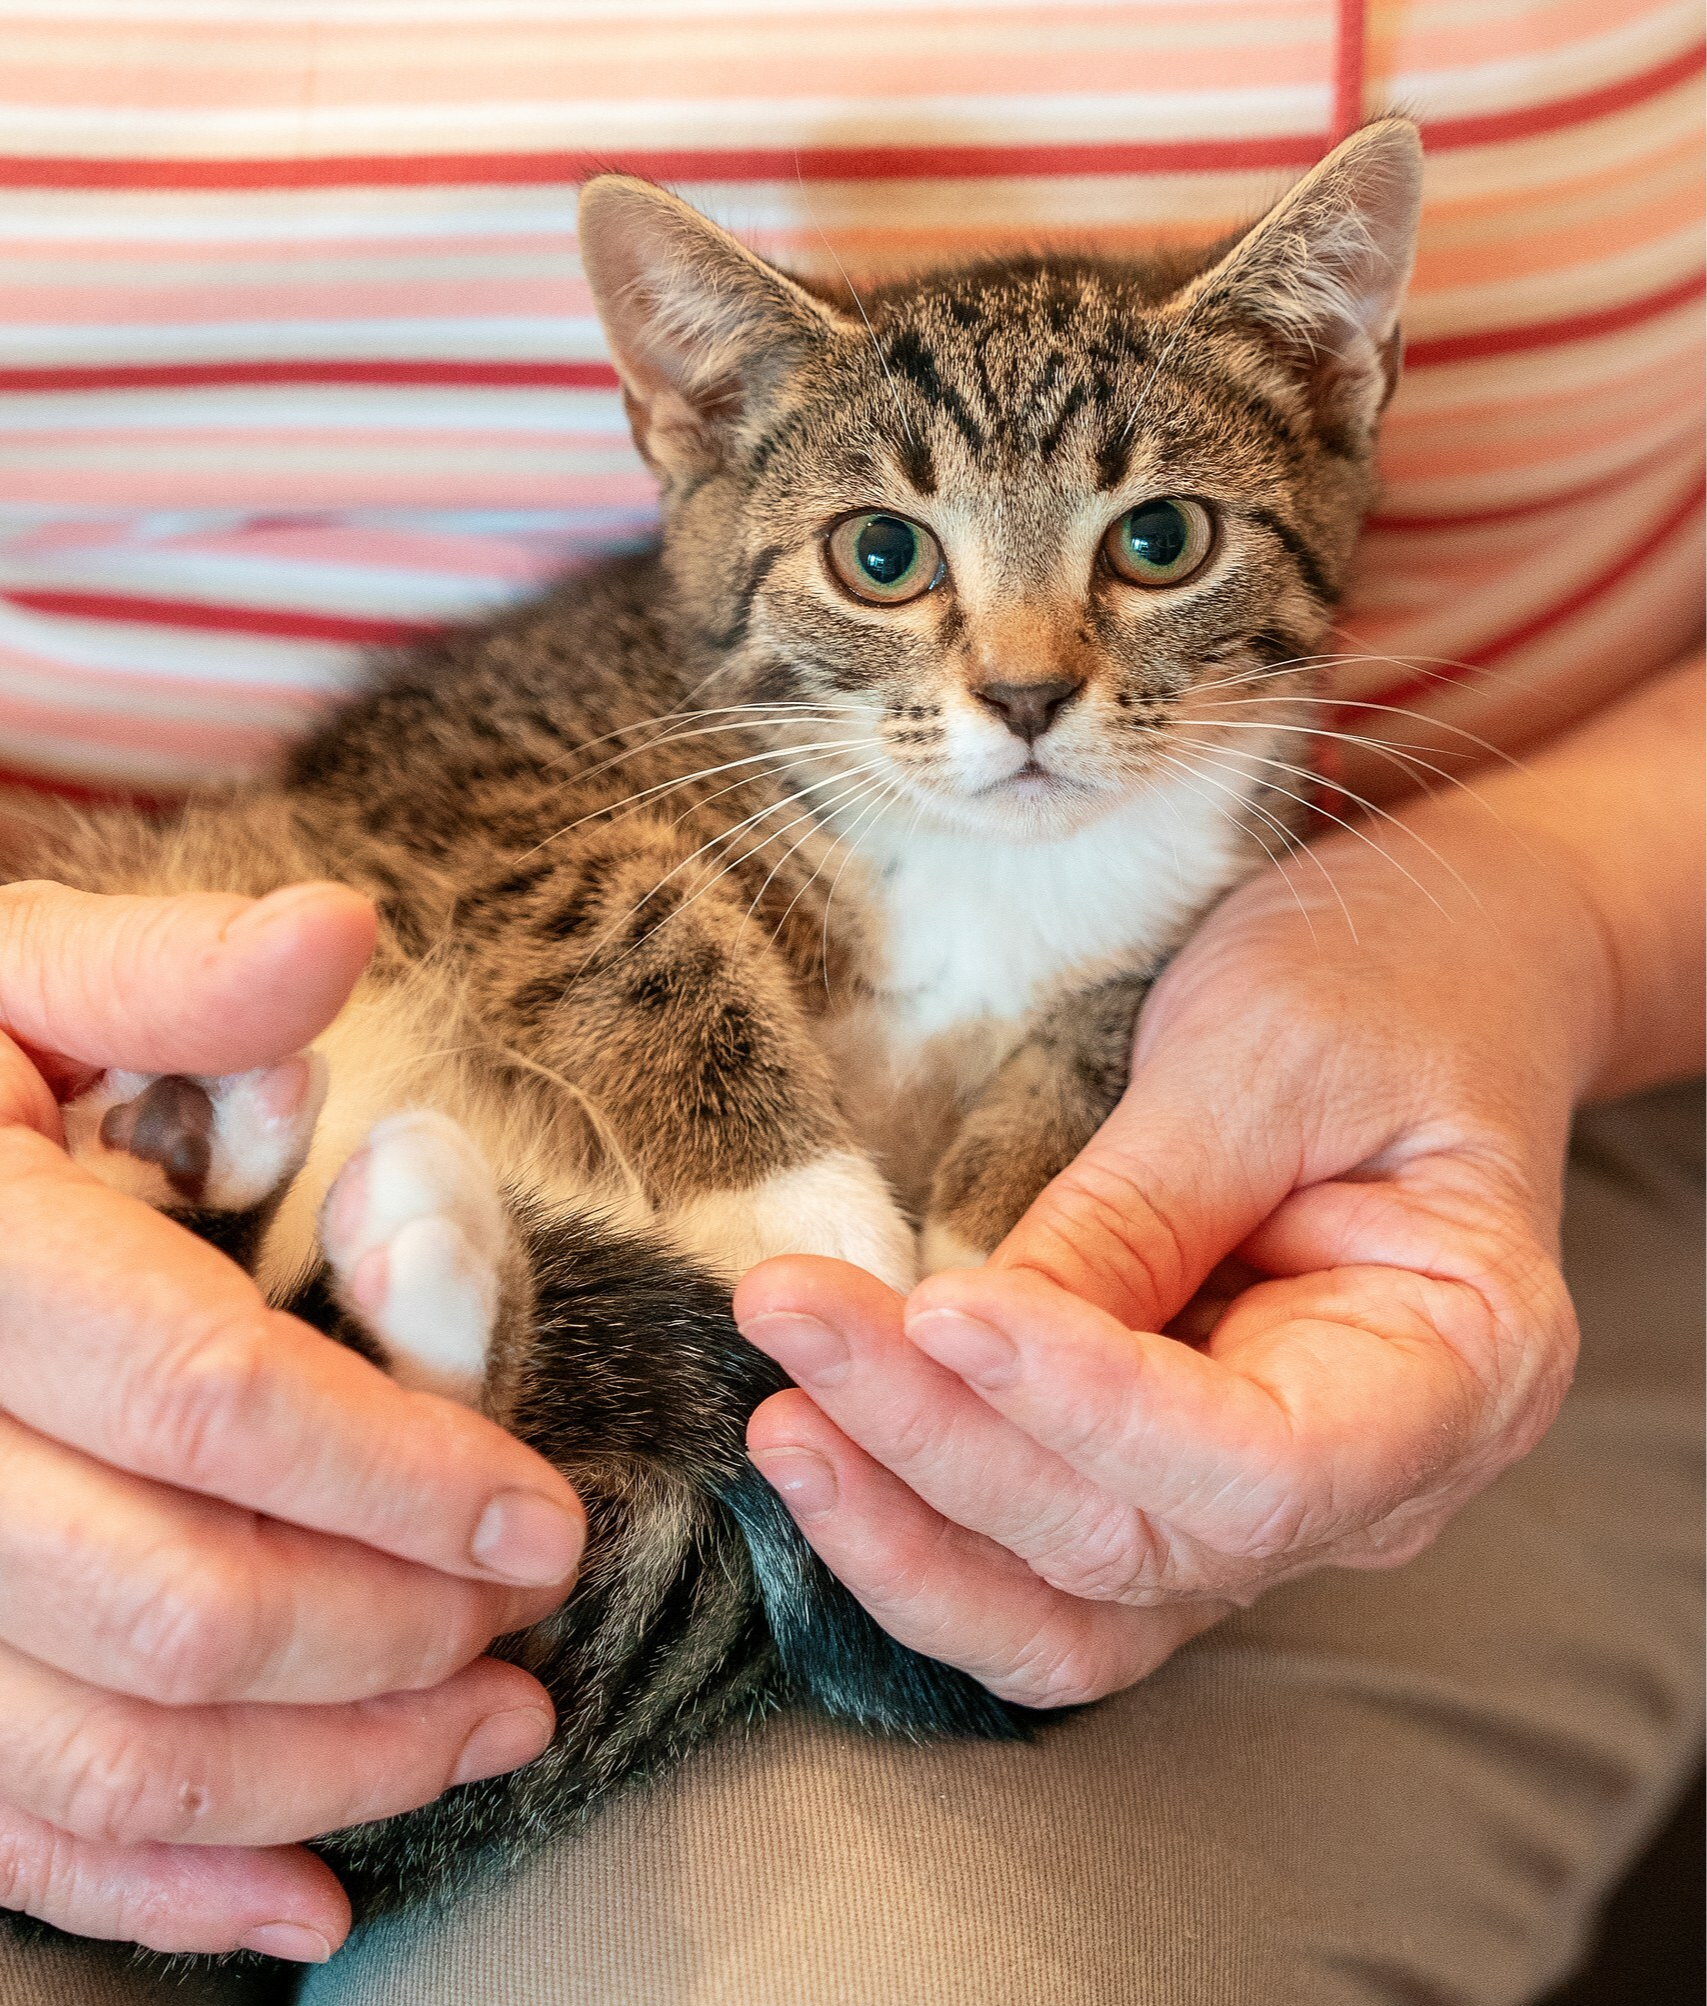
296	357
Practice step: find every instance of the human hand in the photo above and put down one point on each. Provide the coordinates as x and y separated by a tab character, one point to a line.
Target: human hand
1335	1175
245	1579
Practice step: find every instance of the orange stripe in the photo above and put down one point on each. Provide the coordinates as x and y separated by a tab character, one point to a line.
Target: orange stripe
1565	609
1515	511
819	163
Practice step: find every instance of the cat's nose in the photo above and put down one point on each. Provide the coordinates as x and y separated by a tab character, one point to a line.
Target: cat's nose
1028	709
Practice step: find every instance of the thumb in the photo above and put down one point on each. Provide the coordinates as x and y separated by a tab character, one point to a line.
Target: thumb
1183	1171
206	982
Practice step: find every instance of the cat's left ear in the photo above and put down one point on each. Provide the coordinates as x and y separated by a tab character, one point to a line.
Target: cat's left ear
1323	274
700	329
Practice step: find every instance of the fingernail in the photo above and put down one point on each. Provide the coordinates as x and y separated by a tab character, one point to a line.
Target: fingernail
528	1540
802	1478
292	1940
977	1351
270	910
809	1351
503	1741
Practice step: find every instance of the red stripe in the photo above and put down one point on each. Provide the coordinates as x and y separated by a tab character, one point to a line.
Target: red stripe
77	790
195	375
226	619
810	163
1538	624
1552	333
588	375
822	163
1348	67
1526	122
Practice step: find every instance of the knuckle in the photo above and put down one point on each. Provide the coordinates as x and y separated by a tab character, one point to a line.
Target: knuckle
191	1636
1099	1561
107	1784
191	1409
1053	1673
27	1866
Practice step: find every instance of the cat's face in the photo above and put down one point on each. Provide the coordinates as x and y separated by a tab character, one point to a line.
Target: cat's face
1017	540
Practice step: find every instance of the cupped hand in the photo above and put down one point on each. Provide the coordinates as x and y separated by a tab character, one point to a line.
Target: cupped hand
245	1579
1294	1305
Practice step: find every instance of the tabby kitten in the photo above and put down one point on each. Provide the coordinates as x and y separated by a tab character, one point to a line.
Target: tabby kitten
790	888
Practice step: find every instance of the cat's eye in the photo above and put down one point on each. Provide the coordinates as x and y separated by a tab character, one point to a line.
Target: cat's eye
883	558
1159	542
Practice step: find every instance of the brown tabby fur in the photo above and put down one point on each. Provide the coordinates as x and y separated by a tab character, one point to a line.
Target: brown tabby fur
646	972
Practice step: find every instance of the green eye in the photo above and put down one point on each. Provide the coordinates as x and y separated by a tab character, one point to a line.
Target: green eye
1159	542
884	558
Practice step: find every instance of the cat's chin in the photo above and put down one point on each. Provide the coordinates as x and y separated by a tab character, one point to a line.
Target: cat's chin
1024	807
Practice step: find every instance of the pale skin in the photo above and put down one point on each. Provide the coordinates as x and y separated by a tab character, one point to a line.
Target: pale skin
212	1519
1343	1188
245	1580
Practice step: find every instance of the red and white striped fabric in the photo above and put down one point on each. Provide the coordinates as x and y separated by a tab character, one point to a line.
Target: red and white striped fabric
296	357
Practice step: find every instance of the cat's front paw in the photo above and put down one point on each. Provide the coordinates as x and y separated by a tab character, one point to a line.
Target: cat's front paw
942	1246
413	1230
179	1142
838	1205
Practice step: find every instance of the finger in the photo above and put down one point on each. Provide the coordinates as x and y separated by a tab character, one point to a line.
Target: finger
206	982
124	1772
1175	1179
837	1332
1320	1403
946	1592
282	1902
125	1337
179	1599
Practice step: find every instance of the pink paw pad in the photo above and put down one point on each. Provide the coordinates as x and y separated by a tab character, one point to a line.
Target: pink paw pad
413	1228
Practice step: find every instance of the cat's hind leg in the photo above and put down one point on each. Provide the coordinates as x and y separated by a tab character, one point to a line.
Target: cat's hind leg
414	1232
412	1229
186	1143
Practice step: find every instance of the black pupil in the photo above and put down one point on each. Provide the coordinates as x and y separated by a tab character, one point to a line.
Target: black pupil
1157	534
886	549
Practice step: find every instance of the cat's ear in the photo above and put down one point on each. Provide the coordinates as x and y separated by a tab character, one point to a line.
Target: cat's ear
1324	272
699	328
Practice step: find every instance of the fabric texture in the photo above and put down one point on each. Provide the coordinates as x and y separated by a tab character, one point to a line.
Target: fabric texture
1399	1789
296	357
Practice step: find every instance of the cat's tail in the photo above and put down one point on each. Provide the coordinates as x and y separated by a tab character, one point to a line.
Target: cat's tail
835	1654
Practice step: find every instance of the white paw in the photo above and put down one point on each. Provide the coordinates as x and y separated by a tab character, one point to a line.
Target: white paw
838	1206
413	1229
218	1142
941	1248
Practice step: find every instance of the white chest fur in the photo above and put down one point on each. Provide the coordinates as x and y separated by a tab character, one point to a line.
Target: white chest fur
976	929
971	934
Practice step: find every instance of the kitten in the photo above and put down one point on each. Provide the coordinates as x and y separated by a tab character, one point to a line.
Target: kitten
791	888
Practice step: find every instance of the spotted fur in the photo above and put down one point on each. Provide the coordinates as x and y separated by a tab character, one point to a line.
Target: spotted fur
729	914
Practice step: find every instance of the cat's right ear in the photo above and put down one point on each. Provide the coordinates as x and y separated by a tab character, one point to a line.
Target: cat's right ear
700	330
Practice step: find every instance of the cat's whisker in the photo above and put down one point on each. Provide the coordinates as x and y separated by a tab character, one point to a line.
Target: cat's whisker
740	712
1481	745
1292	844
1411	764
1357	801
890	789
836	841
664	739
630	802
734	786
726	836
1340	822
